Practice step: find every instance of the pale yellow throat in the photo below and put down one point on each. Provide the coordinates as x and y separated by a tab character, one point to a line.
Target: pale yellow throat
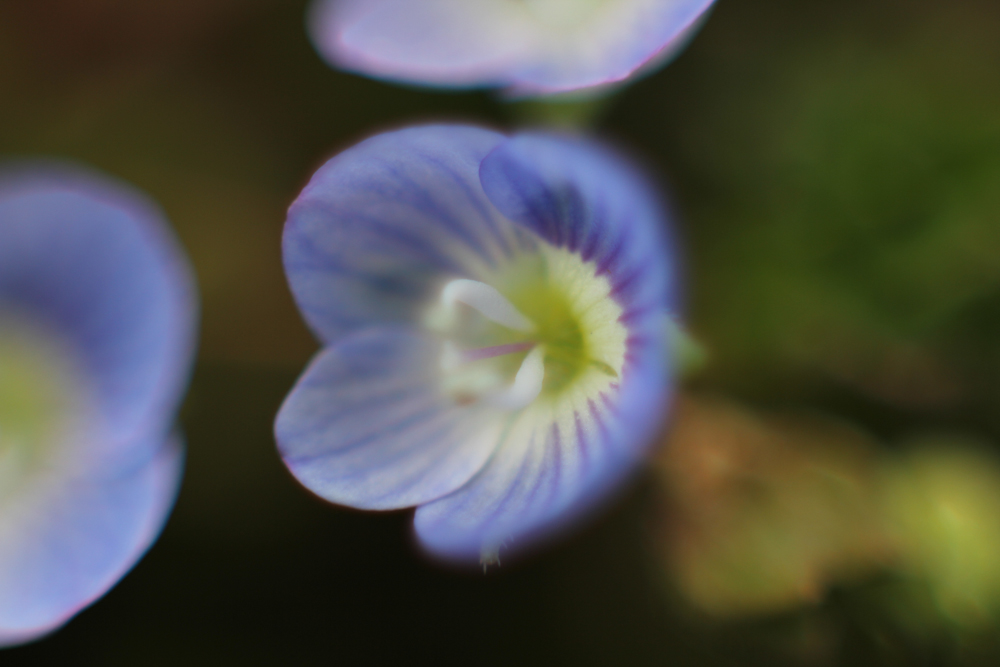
42	397
543	325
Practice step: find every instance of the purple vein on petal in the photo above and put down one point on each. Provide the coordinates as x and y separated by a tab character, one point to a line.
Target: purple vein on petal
496	351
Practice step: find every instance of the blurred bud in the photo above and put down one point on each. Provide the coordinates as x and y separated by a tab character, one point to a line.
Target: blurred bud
766	512
942	503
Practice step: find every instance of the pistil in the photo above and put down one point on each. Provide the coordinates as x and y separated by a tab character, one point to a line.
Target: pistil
527	383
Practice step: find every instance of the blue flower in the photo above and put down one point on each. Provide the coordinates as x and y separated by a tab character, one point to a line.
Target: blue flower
96	339
492	311
529	46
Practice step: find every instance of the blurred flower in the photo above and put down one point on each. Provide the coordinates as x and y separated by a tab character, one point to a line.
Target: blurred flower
528	46
96	336
493	315
943	504
765	512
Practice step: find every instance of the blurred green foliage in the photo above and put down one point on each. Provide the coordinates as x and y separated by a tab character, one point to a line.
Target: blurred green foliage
944	501
841	191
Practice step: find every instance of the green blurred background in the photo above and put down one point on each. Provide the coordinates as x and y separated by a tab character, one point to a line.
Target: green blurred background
834	169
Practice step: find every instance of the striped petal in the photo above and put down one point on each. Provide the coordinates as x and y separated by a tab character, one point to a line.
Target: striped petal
94	262
70	536
581	197
369	426
380	225
554	462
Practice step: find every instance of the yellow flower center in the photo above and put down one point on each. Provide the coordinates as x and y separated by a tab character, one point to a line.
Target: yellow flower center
541	325
39	393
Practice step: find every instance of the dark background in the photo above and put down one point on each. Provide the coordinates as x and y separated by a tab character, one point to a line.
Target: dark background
834	168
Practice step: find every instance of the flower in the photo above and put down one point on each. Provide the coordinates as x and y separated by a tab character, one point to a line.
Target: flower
764	513
96	336
493	315
533	47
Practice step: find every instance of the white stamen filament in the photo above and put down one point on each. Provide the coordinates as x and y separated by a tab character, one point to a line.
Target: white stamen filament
488	301
527	383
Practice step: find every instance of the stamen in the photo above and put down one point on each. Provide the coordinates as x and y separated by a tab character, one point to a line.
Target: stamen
527	383
488	301
452	357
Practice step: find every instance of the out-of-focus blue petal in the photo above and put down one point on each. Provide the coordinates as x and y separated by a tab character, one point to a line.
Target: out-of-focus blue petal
381	225
68	538
624	37
438	42
369	426
94	261
537	47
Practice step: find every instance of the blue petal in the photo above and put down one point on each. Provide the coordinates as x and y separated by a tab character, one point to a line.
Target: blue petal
433	42
70	537
582	197
368	425
547	472
97	263
619	42
382	225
